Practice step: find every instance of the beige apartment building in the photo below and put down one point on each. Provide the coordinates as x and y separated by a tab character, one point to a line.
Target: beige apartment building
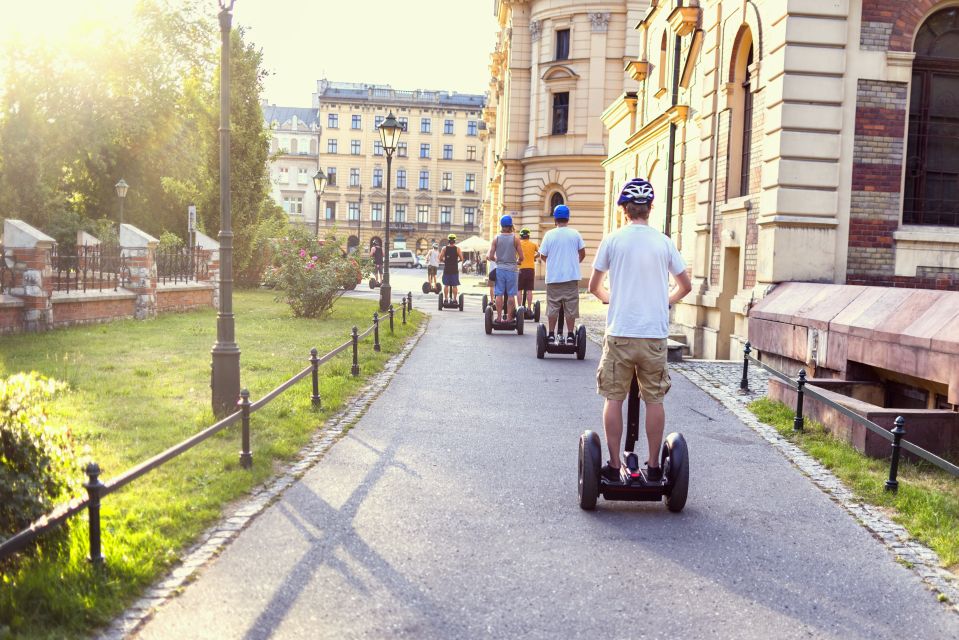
294	142
555	67
437	169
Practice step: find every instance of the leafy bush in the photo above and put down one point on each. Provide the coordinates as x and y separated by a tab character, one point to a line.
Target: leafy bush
312	274
38	467
169	241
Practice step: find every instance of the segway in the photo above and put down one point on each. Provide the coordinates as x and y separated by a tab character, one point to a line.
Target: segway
506	325
374	283
633	484
543	347
450	303
434	289
532	308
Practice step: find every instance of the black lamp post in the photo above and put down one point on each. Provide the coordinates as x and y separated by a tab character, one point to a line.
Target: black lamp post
121	188
226	353
390	132
319	185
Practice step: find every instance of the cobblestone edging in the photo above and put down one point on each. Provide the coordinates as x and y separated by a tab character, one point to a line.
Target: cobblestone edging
721	381
217	537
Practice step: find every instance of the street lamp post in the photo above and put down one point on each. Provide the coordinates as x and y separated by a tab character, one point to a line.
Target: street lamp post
121	188
390	131
225	381
319	185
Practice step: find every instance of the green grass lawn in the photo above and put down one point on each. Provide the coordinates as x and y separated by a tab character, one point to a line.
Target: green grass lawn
136	388
927	503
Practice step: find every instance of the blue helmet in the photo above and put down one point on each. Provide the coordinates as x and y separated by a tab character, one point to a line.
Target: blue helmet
506	221
561	212
638	191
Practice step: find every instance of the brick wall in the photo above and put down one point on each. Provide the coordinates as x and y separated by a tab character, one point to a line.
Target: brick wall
80	309
11	317
889	25
184	299
751	241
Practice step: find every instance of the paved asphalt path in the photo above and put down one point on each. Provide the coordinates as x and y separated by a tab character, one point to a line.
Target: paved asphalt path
450	511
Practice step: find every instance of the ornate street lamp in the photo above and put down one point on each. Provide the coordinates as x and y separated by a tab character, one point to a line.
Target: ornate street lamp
390	131
226	353
319	185
121	188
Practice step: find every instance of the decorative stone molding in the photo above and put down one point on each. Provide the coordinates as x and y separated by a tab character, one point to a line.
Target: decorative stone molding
637	69
684	19
599	21
535	29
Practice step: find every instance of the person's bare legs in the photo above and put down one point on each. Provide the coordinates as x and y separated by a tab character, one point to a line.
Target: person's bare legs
500	303
655	424
613	426
456	291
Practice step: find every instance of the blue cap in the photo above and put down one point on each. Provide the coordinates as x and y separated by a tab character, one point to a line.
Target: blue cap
561	212
506	221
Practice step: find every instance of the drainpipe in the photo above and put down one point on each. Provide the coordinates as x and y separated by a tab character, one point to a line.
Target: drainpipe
671	157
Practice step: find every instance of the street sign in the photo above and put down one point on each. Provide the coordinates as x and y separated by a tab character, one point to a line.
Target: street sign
191	218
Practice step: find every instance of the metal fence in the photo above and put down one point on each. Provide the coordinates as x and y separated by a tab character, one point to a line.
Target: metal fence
89	268
896	436
97	490
181	264
6	272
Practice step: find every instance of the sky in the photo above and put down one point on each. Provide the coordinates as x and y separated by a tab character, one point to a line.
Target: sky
409	44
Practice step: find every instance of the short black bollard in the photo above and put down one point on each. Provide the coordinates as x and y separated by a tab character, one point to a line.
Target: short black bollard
391	319
315	362
409	297
744	383
356	363
404	311
799	421
892	484
246	458
94	488
376	331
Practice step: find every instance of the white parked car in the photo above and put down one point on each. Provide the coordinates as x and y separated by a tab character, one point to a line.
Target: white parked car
403	258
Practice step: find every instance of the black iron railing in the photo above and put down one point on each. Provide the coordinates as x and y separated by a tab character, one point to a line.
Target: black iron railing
97	490
181	264
6	272
895	436
89	268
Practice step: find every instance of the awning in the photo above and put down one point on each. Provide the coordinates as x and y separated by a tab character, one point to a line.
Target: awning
474	243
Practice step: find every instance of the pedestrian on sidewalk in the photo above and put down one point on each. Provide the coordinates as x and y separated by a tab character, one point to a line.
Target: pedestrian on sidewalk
562	251
451	256
527	268
508	253
639	260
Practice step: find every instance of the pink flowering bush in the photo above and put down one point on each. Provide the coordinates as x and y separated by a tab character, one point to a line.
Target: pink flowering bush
312	274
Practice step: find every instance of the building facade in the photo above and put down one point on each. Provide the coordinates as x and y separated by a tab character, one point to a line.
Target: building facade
294	145
802	141
437	169
555	66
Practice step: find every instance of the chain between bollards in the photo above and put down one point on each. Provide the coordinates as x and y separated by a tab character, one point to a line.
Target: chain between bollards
744	383
94	488
799	421
892	484
356	362
315	362
391	319
246	458
376	331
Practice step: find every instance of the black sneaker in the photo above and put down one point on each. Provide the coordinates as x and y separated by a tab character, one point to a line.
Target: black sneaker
551	338
610	473
571	338
653	474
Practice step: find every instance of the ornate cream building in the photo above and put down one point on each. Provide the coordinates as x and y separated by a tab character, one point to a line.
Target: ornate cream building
792	141
556	65
295	138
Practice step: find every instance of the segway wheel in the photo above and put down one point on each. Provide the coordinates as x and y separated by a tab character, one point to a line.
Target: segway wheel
489	320
440	302
674	460
581	342
426	287
540	341
520	320
461	302
485	302
373	283
536	311
590	454
437	288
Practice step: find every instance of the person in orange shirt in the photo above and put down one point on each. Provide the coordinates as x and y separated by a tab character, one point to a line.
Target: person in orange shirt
527	268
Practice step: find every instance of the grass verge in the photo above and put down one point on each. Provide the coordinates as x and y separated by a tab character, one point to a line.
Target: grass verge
927	503
136	388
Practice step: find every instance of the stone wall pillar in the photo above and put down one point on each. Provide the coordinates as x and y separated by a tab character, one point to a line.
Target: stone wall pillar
210	251
30	249
138	249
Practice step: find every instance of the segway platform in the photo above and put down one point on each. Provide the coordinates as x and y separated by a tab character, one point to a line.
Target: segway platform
374	283
434	289
633	483
450	303
532	309
543	346
516	324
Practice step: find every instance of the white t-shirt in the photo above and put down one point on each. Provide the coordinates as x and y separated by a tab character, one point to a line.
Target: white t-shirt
639	260
433	259
561	247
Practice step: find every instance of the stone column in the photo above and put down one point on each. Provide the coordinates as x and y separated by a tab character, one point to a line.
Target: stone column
138	249
30	250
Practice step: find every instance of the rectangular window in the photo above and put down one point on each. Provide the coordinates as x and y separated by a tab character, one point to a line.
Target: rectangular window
424	180
470	182
294	146
401	150
424	150
355	147
560	113
425	125
447	181
448	127
562	44
447	152
446	215
471	152
302	176
399	213
376	213
471	128
377	147
354	211
401	178
469	216
357	122
331	177
293	204
404	122
354	177
377	121
423	214
331	145
331	211
377	176
333	121
284	175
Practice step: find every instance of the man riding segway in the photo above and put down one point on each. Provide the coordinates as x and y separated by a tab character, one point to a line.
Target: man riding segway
432	265
527	274
451	256
376	253
562	251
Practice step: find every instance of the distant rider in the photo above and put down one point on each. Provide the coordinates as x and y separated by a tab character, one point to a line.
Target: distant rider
432	264
451	256
508	253
562	250
376	252
527	268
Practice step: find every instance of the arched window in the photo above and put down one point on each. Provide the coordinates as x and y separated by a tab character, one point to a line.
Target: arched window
747	126
293	145
554	201
740	117
662	62
932	157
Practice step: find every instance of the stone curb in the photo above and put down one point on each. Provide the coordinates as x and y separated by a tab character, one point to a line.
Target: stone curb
217	537
923	561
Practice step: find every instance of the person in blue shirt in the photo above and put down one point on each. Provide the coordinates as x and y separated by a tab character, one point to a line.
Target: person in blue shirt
562	251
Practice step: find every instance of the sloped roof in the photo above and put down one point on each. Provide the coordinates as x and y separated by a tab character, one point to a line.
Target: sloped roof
284	115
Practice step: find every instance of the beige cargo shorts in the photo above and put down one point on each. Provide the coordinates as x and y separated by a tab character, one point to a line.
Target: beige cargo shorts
565	294
624	356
